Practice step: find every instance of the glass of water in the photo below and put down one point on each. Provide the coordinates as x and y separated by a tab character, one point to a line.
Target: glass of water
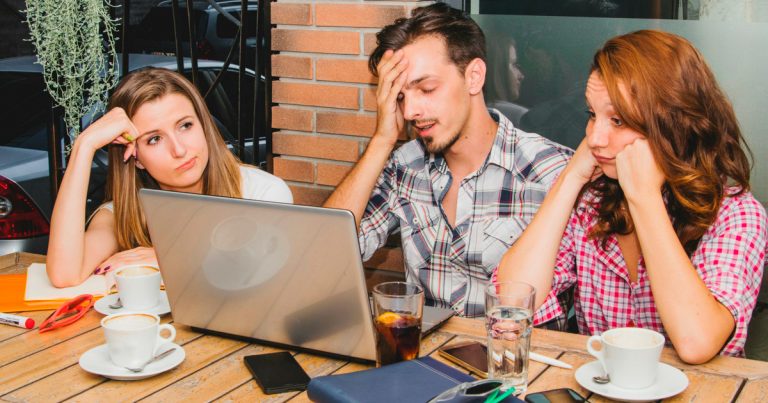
509	321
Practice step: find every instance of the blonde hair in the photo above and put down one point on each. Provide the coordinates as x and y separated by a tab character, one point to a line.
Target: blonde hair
220	178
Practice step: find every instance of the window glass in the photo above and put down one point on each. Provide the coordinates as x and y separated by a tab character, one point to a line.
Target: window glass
538	66
24	111
227	29
158	24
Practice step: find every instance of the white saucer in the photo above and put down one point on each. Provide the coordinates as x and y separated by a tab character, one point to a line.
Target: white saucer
96	361
102	306
669	382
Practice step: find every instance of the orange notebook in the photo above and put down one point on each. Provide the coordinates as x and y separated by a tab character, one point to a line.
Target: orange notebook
12	296
32	291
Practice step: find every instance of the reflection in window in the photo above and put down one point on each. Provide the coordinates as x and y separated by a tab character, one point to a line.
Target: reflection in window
542	91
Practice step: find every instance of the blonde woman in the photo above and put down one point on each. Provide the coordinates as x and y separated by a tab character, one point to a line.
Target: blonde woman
162	137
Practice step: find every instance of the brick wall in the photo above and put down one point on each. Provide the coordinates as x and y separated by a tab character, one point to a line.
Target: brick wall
325	110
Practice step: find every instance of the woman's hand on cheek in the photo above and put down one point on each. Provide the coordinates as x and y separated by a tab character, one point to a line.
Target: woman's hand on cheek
137	256
114	127
638	173
583	164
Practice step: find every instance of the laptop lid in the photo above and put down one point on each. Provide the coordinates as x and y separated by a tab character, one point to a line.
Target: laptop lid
278	273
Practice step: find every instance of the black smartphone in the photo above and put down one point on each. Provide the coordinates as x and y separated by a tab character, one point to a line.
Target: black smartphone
564	395
277	372
471	355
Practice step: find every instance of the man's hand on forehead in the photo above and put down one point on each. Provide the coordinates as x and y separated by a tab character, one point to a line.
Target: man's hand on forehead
391	80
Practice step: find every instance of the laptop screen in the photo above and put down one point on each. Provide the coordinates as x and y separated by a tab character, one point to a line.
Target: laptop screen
285	274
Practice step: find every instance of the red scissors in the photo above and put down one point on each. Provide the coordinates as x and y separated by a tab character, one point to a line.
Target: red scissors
68	313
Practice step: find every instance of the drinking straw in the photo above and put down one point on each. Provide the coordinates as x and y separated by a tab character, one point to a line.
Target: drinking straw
496	398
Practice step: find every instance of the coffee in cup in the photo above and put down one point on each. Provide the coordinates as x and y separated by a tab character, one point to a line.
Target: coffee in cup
139	286
630	355
133	338
138	271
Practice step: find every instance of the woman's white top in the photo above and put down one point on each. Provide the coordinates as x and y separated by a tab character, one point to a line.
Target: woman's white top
261	185
255	184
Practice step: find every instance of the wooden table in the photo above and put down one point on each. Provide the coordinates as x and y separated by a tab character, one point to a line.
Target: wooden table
44	367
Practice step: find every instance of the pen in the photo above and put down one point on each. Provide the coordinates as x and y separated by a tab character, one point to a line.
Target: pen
16	320
537	357
547	360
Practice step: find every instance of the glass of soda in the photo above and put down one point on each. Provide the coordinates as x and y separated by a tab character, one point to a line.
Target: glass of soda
509	321
397	317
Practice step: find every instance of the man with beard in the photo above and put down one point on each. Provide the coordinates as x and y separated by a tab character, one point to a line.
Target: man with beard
463	190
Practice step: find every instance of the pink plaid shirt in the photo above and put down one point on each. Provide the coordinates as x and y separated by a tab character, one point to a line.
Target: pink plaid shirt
729	259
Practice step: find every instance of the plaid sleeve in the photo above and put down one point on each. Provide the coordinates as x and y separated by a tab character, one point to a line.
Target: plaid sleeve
378	222
549	162
564	276
730	258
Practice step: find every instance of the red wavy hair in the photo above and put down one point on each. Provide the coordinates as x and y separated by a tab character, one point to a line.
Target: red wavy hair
674	100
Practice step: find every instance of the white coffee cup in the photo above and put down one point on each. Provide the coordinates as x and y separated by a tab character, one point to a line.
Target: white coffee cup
630	355
139	286
133	338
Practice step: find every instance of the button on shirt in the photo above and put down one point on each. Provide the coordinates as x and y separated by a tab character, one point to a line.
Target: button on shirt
494	205
729	259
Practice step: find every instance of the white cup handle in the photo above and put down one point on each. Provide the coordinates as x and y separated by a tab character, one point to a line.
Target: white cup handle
161	341
600	355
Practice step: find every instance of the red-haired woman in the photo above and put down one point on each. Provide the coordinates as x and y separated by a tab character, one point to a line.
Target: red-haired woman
664	234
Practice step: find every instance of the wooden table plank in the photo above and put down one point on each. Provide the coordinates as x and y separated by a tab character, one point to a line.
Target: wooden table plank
250	392
208	383
754	391
31	342
7	331
313	365
17	262
200	353
43	363
433	341
43	367
555	378
702	388
302	398
56	387
72	380
720	365
352	367
706	387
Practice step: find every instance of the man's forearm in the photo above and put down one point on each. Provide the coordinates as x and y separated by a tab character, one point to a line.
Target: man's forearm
354	191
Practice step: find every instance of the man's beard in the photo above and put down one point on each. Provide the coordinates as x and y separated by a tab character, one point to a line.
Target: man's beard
436	148
429	142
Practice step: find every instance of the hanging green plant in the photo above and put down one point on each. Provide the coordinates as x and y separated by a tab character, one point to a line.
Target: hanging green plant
75	43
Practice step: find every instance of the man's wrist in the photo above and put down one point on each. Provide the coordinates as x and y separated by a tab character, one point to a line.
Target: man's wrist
381	144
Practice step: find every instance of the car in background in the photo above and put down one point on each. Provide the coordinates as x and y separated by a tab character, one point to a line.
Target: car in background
25	115
215	30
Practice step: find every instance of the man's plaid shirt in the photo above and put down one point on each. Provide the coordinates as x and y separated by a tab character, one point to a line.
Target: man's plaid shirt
494	205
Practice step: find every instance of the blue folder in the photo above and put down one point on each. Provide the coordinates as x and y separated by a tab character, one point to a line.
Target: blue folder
409	381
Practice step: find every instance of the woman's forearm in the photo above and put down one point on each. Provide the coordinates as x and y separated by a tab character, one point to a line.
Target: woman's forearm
532	257
697	324
67	238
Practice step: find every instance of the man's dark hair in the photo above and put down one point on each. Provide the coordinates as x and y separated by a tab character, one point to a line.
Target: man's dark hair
463	38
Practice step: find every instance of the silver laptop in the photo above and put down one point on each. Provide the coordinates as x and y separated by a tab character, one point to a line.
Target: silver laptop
278	273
